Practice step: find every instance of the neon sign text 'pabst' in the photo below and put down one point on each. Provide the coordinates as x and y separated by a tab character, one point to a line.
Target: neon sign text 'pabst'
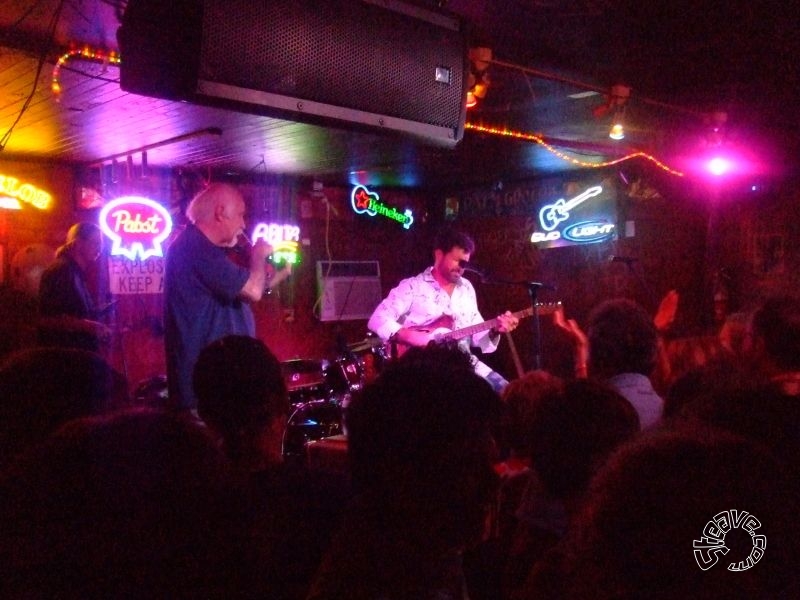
136	226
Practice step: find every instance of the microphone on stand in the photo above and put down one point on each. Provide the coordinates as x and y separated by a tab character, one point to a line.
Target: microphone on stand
467	266
628	260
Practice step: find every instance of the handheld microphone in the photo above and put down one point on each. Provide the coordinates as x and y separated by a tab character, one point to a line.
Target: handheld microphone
244	243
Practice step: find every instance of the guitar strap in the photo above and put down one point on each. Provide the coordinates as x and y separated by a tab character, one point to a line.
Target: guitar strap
497	381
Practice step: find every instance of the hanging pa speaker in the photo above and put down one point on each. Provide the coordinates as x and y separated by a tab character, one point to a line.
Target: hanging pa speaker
375	64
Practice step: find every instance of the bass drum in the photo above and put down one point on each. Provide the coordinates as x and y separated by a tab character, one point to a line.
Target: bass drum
352	371
311	421
345	374
372	361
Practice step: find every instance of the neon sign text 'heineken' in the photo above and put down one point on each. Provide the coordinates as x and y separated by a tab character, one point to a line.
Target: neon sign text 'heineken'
364	201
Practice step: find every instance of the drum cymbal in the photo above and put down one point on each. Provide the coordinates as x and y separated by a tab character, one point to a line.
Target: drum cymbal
365	344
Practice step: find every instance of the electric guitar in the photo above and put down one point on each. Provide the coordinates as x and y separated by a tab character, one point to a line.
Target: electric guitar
440	330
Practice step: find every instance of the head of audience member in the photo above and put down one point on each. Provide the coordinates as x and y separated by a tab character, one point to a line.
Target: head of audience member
641	534
729	396
733	334
574	430
242	396
218	211
681	355
134	504
41	388
775	335
522	399
450	247
622	339
421	447
699	387
84	244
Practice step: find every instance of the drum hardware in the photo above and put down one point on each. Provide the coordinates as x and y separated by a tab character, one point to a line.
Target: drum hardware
367	359
303	395
152	392
371	342
320	391
345	374
311	421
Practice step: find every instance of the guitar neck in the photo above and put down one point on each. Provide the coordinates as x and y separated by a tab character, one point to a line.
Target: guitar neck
543	308
580	198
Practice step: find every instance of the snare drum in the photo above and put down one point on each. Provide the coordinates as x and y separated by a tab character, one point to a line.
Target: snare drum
305	380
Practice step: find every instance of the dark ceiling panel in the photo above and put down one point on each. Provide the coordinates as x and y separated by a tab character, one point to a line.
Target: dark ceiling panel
683	60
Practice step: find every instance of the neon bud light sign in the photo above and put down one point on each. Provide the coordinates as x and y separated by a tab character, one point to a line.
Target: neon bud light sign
566	222
552	214
136	226
284	239
364	201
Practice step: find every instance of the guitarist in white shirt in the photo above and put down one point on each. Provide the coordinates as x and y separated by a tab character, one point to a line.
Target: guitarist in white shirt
429	306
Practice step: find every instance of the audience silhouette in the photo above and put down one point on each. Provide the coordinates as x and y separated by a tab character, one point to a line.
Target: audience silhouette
560	488
243	399
137	504
42	388
651	506
421	449
571	432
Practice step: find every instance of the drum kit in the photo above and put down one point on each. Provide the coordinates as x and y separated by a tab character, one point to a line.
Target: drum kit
320	390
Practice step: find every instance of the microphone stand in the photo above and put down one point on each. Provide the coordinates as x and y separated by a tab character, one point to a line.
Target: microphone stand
651	296
533	288
533	291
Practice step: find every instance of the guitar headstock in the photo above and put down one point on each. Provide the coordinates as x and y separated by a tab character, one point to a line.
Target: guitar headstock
549	308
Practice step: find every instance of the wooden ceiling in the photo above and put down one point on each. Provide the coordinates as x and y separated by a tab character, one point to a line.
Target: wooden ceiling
684	61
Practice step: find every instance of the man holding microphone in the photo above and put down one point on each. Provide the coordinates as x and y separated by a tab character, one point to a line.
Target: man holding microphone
206	295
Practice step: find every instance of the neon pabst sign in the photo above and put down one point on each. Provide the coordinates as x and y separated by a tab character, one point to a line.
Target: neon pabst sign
284	239
363	201
136	226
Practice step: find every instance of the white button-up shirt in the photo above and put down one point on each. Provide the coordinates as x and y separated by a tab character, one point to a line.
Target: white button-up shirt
420	300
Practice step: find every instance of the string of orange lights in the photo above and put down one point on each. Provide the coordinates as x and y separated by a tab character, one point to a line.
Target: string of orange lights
112	57
532	137
87	53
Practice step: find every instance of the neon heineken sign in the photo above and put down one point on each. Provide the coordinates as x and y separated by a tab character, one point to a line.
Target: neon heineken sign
365	202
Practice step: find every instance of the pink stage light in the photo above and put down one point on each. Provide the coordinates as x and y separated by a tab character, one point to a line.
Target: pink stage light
719	166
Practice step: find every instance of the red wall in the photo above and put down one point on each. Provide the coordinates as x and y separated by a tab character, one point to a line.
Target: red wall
750	240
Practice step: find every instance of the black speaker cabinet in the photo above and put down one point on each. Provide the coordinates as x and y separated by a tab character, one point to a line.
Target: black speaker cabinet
375	64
